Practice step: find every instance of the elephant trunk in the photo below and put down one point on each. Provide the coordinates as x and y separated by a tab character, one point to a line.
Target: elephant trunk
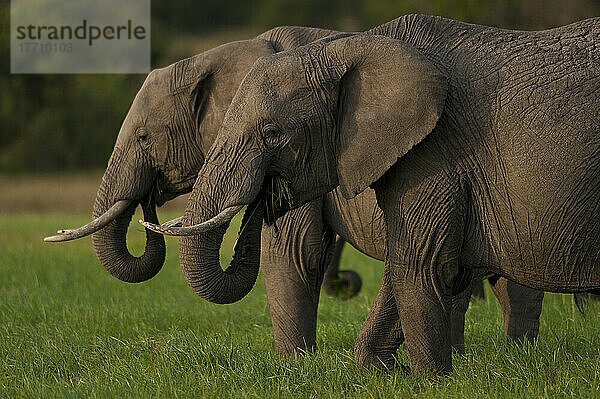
201	265
225	182
110	243
214	193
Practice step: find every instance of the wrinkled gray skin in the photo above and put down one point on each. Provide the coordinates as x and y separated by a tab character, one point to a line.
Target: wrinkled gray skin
171	125
480	143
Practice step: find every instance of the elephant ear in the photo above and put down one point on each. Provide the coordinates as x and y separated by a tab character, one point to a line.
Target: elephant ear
210	79
390	99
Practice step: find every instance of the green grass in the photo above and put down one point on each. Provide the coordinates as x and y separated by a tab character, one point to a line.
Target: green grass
68	329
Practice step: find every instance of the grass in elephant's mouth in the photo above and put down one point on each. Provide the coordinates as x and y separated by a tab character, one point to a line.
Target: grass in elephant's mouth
281	194
277	200
278	197
68	329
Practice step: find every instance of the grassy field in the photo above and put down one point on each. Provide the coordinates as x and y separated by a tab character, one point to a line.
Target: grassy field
68	329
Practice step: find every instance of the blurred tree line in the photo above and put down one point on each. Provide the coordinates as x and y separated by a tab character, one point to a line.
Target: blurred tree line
69	122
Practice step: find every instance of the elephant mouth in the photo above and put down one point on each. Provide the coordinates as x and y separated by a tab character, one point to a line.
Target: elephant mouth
277	199
165	190
277	196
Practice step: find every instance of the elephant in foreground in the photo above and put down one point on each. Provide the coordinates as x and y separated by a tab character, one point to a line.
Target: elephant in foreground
481	145
162	145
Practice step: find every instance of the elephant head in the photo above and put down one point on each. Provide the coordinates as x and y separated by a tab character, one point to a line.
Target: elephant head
159	150
340	111
161	146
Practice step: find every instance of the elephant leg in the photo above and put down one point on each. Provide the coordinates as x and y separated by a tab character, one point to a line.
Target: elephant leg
295	251
521	309
424	301
426	323
460	305
425	240
381	334
478	291
343	284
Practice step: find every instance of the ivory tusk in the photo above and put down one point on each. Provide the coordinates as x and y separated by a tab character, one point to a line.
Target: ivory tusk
93	226
170	228
177	222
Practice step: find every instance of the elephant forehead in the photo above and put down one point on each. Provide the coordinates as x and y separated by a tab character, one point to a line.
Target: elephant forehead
154	90
158	78
277	75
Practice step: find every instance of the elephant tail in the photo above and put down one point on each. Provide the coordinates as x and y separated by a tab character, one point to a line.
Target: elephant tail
583	299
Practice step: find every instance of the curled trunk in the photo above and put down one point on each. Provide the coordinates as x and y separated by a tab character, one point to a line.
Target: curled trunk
110	243
200	259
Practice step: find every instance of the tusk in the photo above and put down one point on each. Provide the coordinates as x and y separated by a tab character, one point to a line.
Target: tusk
93	226
178	222
171	229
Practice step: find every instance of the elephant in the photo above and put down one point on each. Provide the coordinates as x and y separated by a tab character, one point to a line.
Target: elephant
159	151
481	145
160	148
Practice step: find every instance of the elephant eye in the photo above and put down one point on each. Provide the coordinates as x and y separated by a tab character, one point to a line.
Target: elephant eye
142	134
271	136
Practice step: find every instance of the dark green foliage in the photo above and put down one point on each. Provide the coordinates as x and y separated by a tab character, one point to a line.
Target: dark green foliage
52	122
69	122
59	122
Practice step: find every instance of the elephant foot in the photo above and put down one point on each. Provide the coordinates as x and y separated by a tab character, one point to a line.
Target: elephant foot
382	362
345	285
294	352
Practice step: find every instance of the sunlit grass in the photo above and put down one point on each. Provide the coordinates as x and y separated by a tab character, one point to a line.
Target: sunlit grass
68	329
